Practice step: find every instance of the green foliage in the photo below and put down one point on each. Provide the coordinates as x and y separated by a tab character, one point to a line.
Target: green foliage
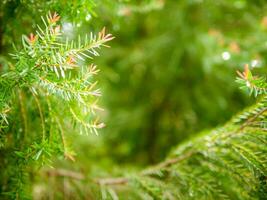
170	74
168	66
256	85
228	162
56	88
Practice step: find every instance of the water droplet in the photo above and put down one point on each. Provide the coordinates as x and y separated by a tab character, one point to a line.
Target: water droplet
226	55
67	27
88	17
255	63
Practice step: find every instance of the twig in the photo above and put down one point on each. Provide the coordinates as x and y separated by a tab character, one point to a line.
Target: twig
40	112
23	112
65	173
252	119
168	163
117	180
124	180
112	181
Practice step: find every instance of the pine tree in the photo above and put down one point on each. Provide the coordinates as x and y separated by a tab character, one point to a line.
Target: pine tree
49	96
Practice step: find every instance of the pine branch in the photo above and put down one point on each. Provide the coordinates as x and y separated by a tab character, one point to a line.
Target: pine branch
256	85
252	119
52	73
219	164
235	153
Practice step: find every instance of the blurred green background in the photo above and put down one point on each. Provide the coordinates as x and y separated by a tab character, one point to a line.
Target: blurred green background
171	70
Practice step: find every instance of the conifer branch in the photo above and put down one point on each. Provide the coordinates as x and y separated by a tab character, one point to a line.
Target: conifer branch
252	119
235	153
54	71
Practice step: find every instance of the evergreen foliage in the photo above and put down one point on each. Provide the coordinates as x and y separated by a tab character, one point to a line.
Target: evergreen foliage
226	163
50	78
159	90
170	65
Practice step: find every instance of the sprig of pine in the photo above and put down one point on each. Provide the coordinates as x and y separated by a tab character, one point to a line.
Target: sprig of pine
49	92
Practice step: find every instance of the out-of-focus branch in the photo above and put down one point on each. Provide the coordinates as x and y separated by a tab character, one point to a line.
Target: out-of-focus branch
117	180
65	173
